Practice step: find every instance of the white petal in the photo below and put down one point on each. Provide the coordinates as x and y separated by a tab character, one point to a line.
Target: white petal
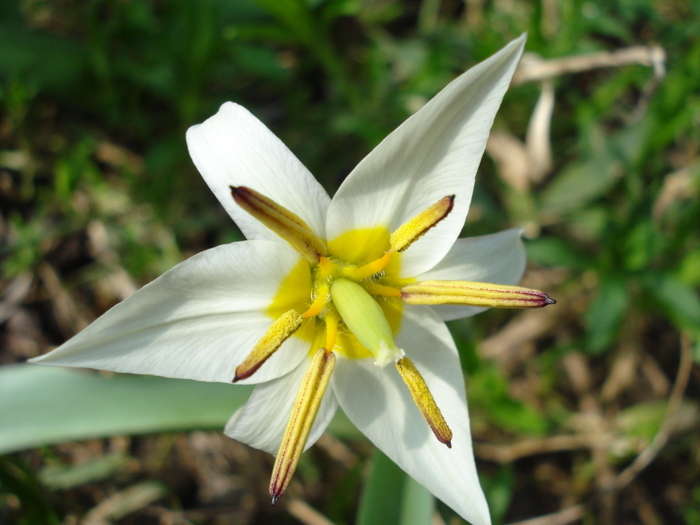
498	258
262	420
196	321
378	402
233	148
433	154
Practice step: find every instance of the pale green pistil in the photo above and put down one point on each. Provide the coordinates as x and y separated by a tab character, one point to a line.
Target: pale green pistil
366	320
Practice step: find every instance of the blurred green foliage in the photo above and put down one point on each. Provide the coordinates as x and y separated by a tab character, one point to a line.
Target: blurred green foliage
95	98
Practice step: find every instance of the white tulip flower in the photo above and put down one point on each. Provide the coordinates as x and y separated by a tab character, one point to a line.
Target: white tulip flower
335	302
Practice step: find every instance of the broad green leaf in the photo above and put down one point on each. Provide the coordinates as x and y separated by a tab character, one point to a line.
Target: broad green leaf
381	498
418	505
43	405
392	496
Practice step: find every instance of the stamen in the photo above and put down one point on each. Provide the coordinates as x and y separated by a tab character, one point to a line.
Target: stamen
278	333
424	400
323	294
281	221
332	321
413	229
474	294
368	270
326	268
304	411
382	290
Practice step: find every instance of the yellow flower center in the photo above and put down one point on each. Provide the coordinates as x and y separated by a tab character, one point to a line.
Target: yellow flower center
362	256
346	297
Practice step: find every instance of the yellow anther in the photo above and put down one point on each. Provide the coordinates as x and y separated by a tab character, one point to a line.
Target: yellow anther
278	333
381	289
410	231
424	400
368	270
281	221
323	294
474	294
304	411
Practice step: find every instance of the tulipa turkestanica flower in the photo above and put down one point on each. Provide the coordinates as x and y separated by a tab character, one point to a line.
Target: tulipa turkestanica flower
338	302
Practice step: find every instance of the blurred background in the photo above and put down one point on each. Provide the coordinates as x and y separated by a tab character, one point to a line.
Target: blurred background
584	412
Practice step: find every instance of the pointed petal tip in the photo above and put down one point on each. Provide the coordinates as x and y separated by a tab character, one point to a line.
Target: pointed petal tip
520	41
549	300
45	360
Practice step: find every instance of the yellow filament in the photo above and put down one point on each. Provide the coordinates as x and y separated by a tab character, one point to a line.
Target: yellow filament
281	221
368	270
304	411
381	289
268	344
332	321
424	400
473	294
326	268
413	229
322	296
